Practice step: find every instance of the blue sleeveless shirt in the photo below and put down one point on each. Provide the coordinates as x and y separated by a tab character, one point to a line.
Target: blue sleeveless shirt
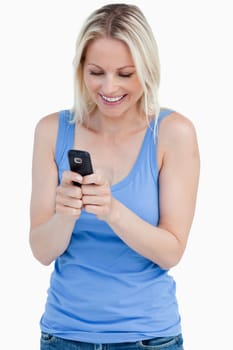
101	290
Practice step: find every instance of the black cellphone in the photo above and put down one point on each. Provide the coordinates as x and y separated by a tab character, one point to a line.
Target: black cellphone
80	162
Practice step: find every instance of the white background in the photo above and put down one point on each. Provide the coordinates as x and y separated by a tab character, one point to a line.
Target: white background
37	41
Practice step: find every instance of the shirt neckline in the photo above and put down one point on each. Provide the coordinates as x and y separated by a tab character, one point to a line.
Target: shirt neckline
125	180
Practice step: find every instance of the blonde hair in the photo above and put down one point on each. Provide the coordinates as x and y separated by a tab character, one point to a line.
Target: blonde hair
128	24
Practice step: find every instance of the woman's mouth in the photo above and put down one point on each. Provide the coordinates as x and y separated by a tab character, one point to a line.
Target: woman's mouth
112	100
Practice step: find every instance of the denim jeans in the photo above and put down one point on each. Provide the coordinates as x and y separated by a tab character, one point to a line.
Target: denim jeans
50	342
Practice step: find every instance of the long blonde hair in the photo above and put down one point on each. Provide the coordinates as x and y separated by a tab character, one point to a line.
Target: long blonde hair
128	24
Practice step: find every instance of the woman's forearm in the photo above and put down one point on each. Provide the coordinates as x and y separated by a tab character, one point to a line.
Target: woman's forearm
154	243
50	240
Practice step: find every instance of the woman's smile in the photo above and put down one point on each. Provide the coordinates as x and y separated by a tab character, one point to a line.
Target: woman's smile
113	100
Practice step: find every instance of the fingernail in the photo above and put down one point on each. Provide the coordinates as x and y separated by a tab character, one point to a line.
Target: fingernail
79	178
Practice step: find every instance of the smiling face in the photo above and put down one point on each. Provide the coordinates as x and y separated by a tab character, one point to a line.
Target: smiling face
110	77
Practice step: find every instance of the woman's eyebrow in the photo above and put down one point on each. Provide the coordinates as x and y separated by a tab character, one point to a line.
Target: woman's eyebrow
97	66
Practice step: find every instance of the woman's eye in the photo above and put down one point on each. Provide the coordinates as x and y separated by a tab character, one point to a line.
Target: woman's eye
125	75
122	75
96	73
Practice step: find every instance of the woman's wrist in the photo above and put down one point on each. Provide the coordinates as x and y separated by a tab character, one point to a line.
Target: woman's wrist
114	213
65	219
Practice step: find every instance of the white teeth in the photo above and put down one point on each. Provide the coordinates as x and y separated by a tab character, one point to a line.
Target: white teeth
112	99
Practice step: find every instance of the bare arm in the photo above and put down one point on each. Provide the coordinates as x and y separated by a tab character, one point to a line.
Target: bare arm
53	209
178	183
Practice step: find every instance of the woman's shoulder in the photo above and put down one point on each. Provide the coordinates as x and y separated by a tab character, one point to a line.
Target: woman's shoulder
47	121
177	128
177	122
46	128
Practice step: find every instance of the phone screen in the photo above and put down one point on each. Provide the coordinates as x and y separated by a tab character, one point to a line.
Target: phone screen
80	162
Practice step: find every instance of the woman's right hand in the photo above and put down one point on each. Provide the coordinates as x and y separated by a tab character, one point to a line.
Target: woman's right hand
68	196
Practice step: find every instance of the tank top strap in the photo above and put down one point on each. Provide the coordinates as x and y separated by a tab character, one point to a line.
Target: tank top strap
152	139
164	112
65	135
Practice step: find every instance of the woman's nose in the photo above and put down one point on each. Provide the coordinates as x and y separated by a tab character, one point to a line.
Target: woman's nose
109	85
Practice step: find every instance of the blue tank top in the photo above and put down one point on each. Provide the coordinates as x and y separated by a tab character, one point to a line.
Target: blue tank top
101	290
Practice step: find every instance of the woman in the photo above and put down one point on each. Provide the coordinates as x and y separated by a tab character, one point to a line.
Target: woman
114	238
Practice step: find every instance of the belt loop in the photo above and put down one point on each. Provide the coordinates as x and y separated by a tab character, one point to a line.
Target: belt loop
98	347
101	347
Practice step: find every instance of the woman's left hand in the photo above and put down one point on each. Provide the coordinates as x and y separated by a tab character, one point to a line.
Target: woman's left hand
96	195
